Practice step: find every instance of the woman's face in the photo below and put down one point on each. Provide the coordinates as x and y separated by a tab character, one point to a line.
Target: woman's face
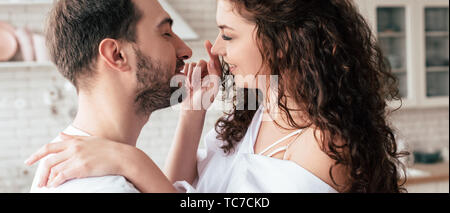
237	44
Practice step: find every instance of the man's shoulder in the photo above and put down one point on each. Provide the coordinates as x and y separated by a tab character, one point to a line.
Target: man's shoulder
104	184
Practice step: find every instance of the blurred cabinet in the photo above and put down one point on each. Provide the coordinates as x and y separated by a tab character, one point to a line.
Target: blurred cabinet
437	56
391	31
414	35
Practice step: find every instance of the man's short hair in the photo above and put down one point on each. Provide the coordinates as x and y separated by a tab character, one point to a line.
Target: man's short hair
76	28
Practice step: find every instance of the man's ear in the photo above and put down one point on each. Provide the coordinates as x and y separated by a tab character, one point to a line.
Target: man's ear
113	54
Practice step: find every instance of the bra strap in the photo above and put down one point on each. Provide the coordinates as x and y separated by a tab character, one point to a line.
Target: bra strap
280	149
279	141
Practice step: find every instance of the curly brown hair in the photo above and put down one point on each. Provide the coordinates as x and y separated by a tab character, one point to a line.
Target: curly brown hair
331	66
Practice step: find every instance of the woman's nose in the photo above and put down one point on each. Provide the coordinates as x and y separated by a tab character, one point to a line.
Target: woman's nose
218	47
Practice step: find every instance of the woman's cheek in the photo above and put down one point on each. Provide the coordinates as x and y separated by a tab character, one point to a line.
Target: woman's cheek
239	57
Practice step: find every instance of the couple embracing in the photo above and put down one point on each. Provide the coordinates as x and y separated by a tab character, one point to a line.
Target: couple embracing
322	128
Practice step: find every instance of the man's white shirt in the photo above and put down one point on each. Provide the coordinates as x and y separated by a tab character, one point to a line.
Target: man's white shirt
105	184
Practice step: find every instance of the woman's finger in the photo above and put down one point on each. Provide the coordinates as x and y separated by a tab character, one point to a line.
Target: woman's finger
204	68
48	164
189	74
196	78
208	47
185	73
212	70
62	173
60	179
65	137
194	65
54	172
52	175
46	150
186	69
68	172
214	67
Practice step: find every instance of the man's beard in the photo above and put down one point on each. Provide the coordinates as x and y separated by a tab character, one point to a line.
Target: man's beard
153	79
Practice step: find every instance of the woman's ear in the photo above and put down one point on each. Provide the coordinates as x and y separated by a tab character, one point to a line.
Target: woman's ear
113	54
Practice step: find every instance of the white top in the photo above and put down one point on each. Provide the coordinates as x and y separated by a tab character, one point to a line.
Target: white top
105	184
243	171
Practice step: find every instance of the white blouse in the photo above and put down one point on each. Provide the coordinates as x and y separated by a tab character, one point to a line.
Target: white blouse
243	171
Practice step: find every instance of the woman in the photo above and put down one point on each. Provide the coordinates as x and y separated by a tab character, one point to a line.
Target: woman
331	134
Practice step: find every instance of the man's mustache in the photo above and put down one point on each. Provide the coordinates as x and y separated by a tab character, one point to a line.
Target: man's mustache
180	64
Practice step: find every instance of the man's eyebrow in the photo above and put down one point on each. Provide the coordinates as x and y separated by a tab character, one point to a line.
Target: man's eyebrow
222	27
166	21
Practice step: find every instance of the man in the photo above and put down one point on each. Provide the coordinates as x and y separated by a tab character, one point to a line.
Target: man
121	56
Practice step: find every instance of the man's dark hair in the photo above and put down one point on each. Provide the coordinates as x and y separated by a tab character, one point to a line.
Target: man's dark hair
76	28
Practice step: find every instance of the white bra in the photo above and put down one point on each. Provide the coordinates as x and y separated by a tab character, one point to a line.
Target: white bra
283	148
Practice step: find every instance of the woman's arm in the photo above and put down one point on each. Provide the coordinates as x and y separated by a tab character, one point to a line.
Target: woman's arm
181	163
78	157
145	174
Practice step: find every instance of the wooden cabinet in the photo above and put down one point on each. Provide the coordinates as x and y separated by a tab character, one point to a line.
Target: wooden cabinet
414	35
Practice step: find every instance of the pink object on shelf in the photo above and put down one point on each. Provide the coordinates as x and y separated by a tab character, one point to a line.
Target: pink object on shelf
8	44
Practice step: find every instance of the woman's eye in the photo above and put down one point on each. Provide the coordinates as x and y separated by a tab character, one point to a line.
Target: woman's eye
226	38
168	34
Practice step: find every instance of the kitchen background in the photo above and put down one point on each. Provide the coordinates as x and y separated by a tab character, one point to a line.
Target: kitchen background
36	103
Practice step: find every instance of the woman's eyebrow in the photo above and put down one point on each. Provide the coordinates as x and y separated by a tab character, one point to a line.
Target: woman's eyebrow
222	27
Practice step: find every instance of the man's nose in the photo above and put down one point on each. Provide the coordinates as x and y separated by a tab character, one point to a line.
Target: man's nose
183	51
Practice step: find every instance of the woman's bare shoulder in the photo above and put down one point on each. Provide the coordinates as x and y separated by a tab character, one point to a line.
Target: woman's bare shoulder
309	152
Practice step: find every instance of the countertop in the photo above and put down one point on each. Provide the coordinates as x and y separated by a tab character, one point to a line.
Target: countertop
426	173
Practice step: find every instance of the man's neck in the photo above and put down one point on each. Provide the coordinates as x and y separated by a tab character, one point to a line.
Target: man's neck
110	115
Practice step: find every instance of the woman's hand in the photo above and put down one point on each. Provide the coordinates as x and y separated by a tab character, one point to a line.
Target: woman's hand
202	82
80	157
